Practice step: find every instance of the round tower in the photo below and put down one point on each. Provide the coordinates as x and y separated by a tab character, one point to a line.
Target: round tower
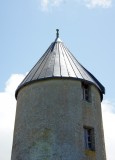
58	114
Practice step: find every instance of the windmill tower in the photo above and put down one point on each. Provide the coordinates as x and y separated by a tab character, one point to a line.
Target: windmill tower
58	114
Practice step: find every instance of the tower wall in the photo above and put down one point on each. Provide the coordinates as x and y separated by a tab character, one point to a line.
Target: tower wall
49	122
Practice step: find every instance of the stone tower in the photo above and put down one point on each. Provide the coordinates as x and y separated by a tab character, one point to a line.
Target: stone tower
58	114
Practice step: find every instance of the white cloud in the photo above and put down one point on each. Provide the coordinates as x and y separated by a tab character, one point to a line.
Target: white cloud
108	111
98	3
7	116
12	83
46	5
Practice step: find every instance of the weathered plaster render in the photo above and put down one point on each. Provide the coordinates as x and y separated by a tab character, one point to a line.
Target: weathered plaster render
49	122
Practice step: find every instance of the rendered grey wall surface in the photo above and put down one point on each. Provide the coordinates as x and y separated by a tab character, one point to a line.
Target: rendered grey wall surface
49	122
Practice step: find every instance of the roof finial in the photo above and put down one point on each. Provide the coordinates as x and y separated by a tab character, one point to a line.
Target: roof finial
57	33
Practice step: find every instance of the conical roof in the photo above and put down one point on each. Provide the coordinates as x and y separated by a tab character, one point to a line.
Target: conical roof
58	62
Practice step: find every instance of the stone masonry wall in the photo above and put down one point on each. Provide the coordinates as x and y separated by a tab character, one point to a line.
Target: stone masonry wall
49	122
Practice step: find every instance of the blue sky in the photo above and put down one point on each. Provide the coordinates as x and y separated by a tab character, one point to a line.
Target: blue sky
27	28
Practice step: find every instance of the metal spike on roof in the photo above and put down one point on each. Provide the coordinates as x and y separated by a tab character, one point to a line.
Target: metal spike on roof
57	33
58	62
